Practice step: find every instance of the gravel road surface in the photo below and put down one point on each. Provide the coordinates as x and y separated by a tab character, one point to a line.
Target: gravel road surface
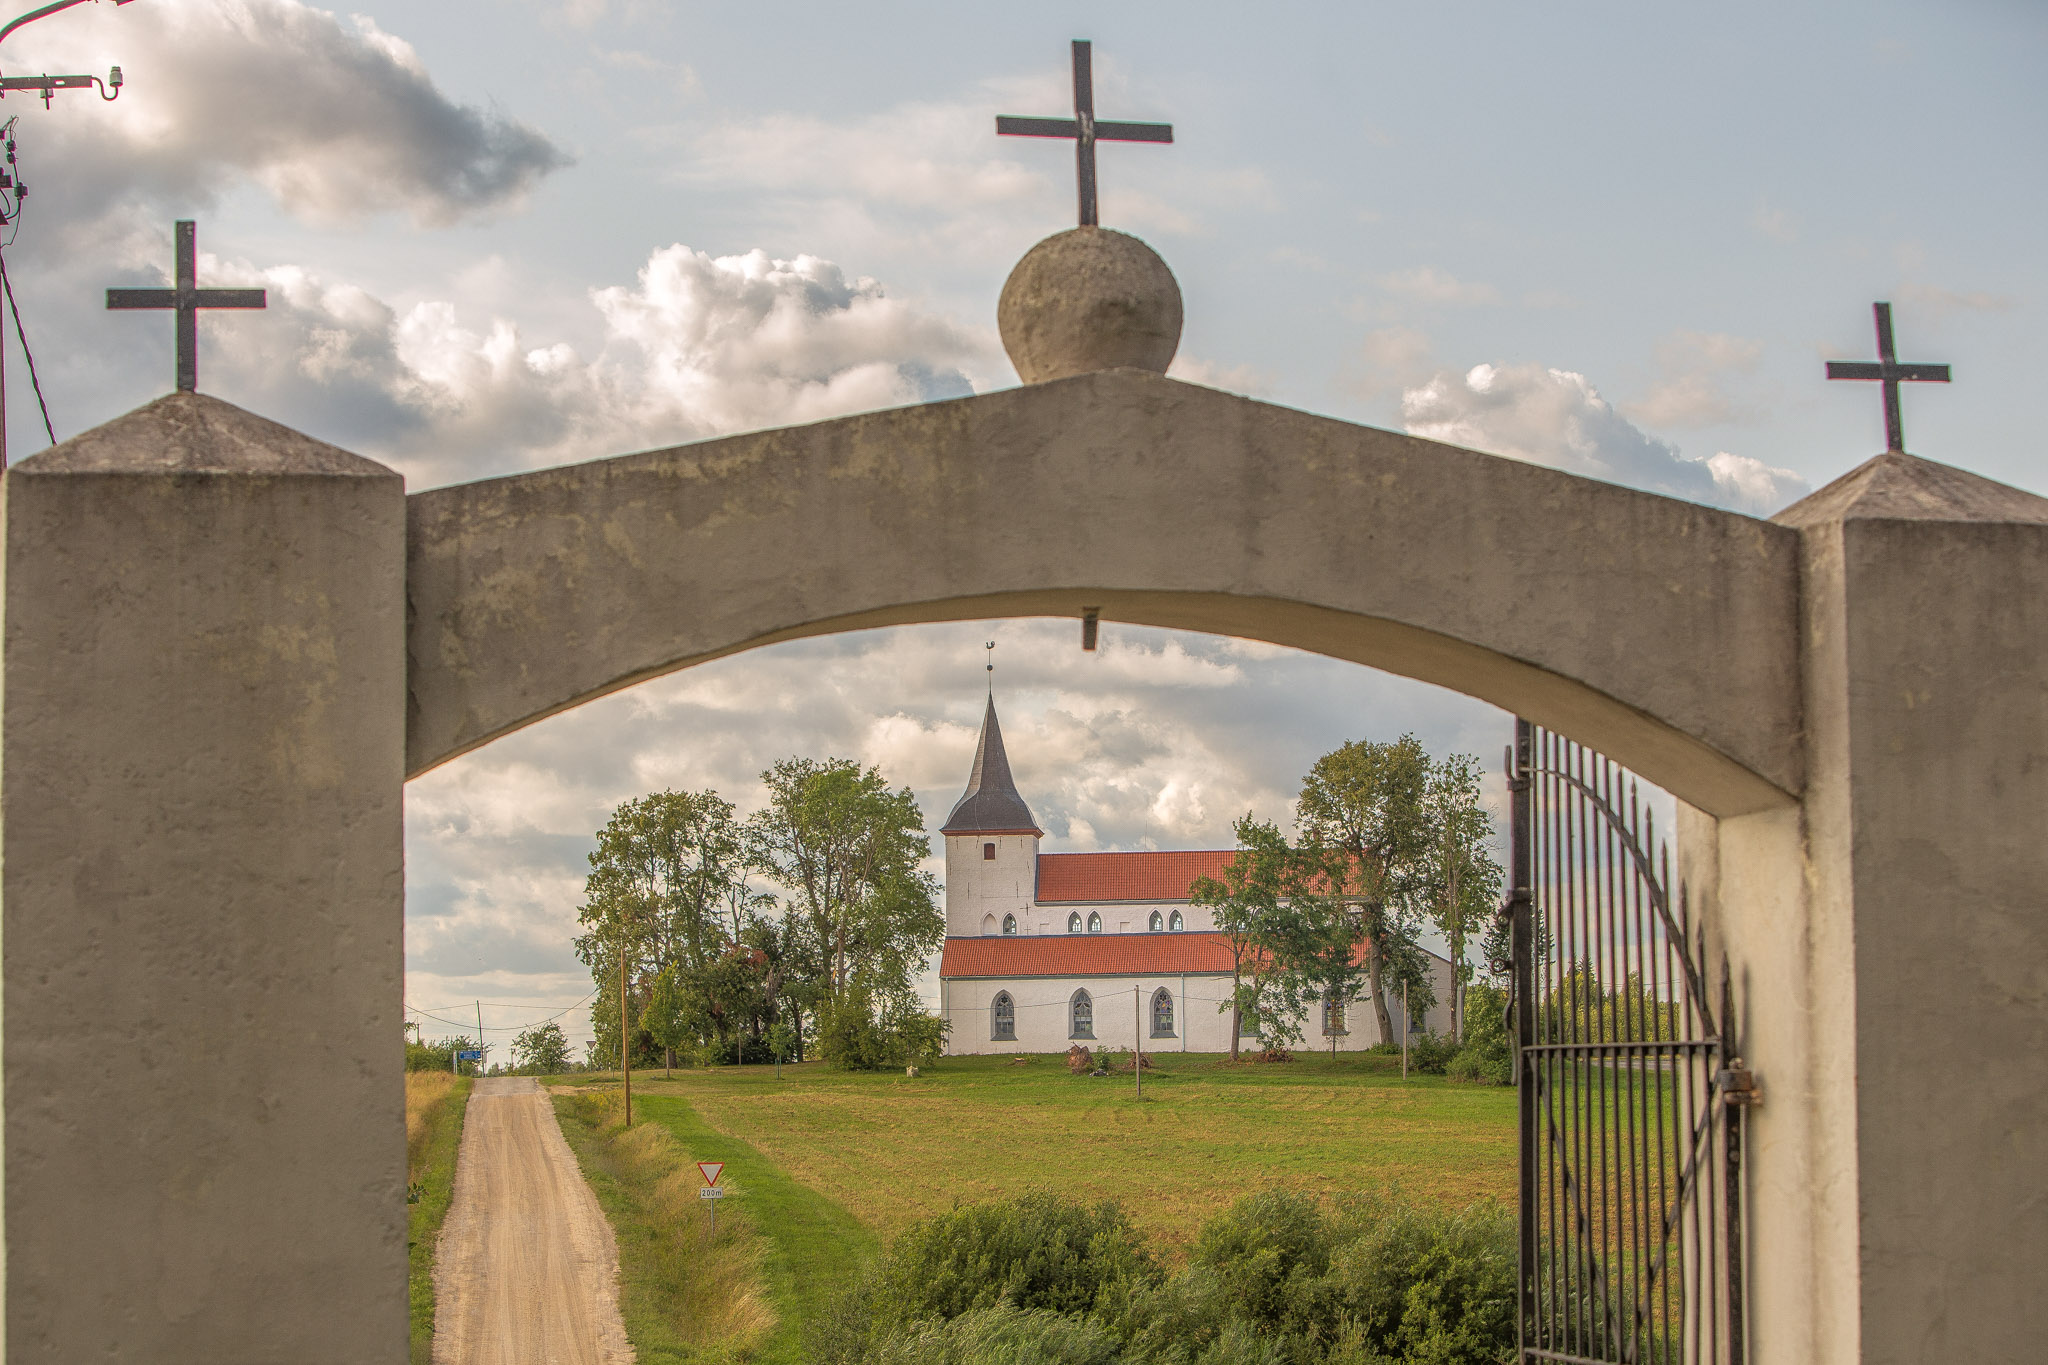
526	1272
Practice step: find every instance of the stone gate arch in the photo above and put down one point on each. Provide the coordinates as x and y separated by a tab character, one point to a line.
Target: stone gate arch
227	645
1662	632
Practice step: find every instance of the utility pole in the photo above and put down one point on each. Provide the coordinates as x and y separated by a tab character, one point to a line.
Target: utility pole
1404	1030
625	1046
479	1039
13	192
1138	1029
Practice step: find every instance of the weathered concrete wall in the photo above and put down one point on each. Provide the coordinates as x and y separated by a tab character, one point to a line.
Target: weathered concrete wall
202	896
1661	632
1890	939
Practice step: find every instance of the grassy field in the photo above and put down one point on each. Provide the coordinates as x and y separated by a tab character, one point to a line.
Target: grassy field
435	1103
888	1149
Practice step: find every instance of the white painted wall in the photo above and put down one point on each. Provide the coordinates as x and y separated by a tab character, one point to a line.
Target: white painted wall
1201	1021
980	890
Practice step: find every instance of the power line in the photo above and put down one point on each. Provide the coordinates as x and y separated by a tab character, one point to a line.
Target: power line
35	381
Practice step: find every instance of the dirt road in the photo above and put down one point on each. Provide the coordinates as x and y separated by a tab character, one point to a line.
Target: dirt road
527	1272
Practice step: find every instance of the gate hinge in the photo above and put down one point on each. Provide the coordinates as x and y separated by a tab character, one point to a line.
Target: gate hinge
1738	1086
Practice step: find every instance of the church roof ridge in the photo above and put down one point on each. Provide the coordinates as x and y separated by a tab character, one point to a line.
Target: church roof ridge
991	804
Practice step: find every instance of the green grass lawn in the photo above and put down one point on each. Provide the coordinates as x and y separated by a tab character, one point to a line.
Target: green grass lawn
887	1149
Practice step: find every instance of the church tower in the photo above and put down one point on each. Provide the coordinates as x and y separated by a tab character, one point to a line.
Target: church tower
991	846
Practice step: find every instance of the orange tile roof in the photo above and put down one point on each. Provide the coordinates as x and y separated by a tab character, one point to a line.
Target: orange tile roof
1164	954
1126	876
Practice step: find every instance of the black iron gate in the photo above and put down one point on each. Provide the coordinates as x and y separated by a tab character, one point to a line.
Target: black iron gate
1631	1094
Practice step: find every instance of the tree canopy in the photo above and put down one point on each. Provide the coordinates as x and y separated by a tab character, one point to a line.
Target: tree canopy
714	961
1388	839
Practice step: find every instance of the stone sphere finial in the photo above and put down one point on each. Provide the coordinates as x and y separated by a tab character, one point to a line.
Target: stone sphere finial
1089	299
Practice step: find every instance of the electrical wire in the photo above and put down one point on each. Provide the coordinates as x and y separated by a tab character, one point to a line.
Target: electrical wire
501	1028
35	382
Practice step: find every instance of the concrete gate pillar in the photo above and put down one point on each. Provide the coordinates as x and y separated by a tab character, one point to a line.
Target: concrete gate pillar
1889	938
201	903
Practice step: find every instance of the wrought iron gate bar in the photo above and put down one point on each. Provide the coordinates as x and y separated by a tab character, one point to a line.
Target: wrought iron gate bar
1669	1045
1629	1157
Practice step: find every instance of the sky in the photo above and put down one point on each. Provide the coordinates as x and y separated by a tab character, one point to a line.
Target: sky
503	234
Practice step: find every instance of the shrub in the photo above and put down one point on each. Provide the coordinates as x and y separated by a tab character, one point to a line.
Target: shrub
1430	1053
1276	1280
851	1038
1263	1250
1034	1252
1000	1335
1424	1285
1487	1057
742	1049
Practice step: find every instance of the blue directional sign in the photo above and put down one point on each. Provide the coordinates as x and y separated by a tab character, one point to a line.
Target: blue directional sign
470	1055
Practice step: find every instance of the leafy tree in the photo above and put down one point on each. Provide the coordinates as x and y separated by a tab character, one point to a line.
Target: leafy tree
1290	938
1460	879
668	878
848	848
1363	812
542	1050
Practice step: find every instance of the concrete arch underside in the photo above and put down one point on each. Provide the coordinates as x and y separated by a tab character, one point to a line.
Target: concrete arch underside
1663	633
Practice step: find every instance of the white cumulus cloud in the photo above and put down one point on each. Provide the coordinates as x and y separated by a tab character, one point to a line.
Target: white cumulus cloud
336	119
1557	418
696	346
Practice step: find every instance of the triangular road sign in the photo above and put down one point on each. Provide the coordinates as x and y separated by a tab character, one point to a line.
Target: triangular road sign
711	1170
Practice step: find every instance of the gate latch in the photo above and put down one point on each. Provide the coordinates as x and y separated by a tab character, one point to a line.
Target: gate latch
1737	1084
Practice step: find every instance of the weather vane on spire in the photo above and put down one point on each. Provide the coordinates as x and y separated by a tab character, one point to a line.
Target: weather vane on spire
1084	129
991	648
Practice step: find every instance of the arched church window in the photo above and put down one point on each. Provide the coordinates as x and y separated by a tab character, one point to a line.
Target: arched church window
1074	922
1158	922
1002	1015
1094	923
1162	1013
1081	1016
1009	924
1176	923
988	924
988	853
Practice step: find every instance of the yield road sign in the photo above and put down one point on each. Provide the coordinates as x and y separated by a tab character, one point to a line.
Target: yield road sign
711	1171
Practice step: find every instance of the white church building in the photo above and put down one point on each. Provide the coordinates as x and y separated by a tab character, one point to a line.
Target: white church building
1044	950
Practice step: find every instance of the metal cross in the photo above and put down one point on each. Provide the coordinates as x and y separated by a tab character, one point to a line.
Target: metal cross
188	298
1889	372
1084	129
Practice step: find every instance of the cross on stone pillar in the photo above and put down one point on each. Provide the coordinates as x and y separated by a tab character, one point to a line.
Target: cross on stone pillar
1889	372
188	298
1084	129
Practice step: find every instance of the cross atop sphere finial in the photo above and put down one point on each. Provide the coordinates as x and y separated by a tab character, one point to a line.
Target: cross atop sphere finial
1888	371
1084	129
187	298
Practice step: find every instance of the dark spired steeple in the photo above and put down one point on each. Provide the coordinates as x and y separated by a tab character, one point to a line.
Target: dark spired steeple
991	804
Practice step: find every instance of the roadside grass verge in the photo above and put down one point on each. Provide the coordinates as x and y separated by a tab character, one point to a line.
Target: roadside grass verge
890	1149
685	1298
435	1106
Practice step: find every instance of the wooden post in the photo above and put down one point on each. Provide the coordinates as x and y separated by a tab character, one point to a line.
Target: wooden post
1404	1030
625	1044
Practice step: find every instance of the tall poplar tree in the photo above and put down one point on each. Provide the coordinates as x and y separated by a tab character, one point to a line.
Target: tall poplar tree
1461	880
1363	812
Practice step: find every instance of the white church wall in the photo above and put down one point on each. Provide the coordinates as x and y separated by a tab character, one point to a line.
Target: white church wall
981	890
1134	917
1042	1004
